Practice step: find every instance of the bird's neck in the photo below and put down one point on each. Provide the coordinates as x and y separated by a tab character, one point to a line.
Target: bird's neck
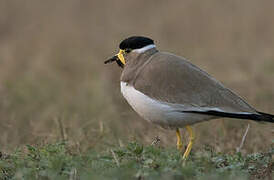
135	62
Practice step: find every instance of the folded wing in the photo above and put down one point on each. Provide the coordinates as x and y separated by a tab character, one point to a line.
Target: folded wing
177	81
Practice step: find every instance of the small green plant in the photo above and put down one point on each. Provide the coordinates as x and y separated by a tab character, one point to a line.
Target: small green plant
134	161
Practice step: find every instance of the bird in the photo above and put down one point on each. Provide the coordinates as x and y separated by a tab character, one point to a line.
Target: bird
170	91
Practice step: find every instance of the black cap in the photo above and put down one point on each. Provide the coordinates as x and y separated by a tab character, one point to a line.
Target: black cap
135	42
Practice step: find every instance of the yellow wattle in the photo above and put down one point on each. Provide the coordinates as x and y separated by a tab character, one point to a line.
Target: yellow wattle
121	56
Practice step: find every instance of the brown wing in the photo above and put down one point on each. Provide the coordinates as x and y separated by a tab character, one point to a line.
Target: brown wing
177	81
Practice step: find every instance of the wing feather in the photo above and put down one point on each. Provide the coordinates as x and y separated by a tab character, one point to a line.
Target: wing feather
172	79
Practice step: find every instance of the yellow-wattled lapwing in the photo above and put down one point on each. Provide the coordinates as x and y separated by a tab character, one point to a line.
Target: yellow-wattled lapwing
168	90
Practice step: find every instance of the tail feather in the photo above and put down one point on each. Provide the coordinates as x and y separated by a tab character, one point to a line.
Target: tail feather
261	116
267	117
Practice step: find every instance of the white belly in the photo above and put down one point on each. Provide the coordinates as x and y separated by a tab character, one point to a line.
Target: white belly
158	112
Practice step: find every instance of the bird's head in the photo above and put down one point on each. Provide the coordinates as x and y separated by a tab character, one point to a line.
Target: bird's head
137	44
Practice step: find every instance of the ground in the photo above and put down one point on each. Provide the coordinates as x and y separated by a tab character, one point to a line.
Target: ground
133	161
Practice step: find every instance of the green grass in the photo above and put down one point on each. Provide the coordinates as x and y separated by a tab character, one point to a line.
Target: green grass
134	161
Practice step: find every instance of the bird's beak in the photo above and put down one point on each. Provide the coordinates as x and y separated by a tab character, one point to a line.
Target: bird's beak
110	60
119	58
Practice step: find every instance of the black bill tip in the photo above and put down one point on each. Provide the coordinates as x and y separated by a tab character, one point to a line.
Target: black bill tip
110	60
114	58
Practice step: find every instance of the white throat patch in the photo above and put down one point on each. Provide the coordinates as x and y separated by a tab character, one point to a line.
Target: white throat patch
143	49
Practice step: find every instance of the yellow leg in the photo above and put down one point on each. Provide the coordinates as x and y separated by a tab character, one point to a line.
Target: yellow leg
191	140
179	140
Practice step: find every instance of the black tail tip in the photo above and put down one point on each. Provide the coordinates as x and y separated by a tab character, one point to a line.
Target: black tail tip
266	117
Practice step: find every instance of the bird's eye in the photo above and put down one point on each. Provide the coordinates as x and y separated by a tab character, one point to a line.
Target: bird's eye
127	50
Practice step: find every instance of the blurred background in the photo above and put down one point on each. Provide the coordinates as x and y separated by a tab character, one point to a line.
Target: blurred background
54	84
